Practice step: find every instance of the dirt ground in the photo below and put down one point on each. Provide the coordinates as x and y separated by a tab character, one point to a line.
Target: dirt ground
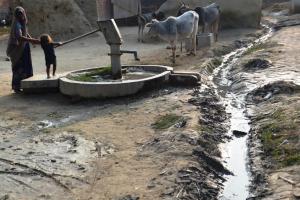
276	118
119	159
55	148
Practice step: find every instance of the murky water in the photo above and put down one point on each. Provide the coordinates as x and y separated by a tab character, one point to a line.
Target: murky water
131	74
234	152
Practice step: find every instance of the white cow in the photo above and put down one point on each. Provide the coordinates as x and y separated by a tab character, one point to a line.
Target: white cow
175	29
143	19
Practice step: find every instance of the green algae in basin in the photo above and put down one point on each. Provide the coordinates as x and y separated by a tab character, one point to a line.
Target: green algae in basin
104	75
90	76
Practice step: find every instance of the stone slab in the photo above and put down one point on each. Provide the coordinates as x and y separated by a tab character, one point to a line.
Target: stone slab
41	84
188	73
184	79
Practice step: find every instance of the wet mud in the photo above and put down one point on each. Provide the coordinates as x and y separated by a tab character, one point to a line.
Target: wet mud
44	160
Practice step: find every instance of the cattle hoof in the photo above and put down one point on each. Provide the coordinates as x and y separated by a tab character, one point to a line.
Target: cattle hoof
177	56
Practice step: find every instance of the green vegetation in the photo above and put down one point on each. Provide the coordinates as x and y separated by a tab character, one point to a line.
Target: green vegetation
212	64
261	46
166	121
90	76
216	62
4	30
280	138
205	129
222	50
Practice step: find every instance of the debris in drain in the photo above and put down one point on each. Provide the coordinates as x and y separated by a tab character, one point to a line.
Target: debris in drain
237	133
129	197
151	184
44	124
181	123
256	64
214	163
270	90
5	197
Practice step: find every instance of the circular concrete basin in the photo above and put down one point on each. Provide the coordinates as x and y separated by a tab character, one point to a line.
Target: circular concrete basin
116	88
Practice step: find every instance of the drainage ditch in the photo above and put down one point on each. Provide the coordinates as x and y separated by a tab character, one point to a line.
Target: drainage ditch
234	152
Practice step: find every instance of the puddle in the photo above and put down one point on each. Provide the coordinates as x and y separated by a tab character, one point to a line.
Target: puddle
49	165
234	152
54	123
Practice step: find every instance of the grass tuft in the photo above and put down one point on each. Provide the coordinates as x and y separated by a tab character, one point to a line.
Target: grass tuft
166	121
261	46
280	139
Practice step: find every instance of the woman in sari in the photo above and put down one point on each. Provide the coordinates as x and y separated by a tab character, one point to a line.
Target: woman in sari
18	49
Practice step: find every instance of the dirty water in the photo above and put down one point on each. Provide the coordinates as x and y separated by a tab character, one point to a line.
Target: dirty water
234	152
130	75
49	164
59	122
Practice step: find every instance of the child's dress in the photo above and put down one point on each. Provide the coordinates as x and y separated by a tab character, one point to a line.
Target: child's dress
50	56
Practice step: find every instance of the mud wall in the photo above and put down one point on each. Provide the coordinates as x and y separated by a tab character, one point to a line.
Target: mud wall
63	19
4	4
89	9
235	13
295	6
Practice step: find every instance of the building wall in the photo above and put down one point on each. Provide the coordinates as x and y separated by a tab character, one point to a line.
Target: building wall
235	13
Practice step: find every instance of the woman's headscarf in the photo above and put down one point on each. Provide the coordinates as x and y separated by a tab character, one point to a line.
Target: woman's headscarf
15	48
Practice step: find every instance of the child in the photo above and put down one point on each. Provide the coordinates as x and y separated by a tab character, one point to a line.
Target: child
48	46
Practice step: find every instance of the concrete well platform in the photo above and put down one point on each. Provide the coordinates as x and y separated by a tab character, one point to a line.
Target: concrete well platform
115	89
41	84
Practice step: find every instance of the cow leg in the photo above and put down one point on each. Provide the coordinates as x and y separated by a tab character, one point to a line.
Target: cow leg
139	33
195	44
173	54
216	31
181	47
173	46
212	28
217	28
142	36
